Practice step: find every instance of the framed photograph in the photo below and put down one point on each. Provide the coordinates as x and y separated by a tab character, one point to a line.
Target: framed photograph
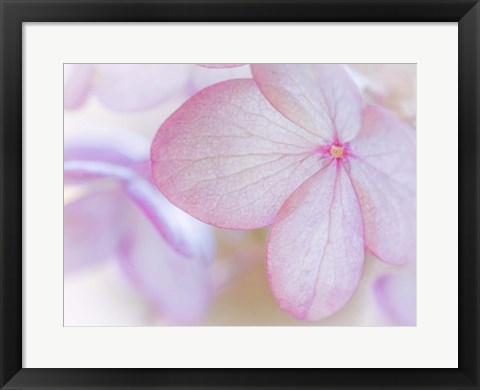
247	187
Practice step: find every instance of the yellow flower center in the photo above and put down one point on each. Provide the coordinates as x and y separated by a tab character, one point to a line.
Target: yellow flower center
336	151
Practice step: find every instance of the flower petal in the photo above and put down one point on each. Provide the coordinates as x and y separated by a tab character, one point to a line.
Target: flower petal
396	296
383	170
321	98
391	85
91	229
131	87
162	249
102	225
117	154
316	248
229	159
93	142
187	235
77	82
179	287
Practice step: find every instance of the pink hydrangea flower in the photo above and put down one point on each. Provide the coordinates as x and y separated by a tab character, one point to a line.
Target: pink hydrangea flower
163	251
296	148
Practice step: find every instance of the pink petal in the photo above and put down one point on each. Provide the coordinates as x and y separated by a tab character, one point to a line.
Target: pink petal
316	247
77	82
178	286
220	66
227	158
321	98
383	170
396	296
91	229
131	87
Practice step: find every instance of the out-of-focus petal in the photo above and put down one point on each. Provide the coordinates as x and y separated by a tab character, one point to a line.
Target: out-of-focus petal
383	170
391	85
131	87
316	248
93	142
319	97
92	229
111	153
78	170
204	77
396	296
164	251
187	235
178	286
229	159
220	66
360	79
77	82
106	224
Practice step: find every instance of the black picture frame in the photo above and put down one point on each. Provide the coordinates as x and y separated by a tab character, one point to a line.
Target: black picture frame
15	12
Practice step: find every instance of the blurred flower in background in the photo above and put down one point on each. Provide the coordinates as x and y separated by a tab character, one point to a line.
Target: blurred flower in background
164	252
390	85
135	87
133	259
123	87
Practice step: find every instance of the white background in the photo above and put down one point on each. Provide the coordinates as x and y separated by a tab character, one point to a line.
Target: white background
433	343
